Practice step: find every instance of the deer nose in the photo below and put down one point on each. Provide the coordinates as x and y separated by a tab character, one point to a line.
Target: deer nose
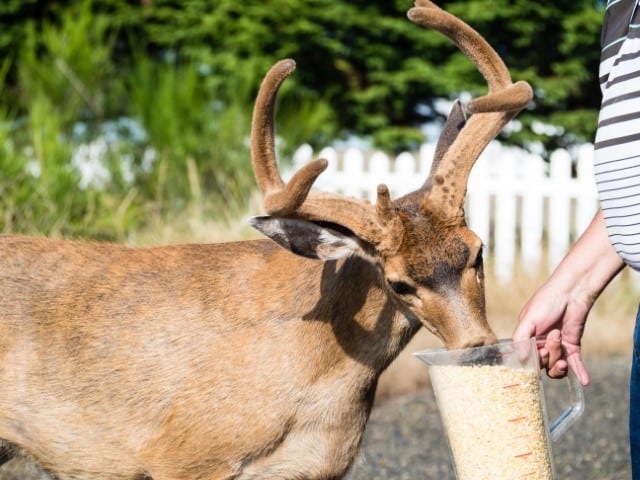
484	355
479	340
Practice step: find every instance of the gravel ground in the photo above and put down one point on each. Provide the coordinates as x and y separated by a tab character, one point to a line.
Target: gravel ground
404	439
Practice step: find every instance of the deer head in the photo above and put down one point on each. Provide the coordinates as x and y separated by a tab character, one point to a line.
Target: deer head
429	261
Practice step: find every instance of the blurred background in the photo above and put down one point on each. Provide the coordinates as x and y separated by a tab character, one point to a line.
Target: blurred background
128	120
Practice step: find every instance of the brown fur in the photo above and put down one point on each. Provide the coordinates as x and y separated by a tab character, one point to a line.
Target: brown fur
241	360
235	360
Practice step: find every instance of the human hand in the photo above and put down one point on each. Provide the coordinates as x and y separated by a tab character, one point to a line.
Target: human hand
559	309
559	321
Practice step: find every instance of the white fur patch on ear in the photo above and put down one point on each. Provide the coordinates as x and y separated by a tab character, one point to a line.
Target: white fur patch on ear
332	246
308	239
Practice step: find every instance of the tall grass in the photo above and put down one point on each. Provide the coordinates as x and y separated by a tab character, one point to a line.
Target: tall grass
96	149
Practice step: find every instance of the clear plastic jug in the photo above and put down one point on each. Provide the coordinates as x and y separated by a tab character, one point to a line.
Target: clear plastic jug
492	408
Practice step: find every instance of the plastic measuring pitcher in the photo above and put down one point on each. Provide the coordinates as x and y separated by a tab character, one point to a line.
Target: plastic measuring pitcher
492	408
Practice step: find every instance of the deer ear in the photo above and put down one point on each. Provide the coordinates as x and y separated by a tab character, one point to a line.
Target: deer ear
309	239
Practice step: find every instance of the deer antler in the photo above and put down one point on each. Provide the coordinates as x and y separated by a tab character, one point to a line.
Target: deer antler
490	113
379	224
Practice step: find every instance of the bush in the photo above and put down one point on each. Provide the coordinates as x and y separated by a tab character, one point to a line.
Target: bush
154	97
97	147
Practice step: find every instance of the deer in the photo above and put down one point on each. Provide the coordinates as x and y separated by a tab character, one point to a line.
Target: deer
254	359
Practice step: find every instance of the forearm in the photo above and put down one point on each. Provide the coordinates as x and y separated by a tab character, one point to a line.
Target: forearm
589	266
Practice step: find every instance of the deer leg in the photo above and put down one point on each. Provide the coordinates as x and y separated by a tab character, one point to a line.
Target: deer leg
312	455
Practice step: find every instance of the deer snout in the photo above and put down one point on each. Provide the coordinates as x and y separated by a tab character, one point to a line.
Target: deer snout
471	337
465	327
480	340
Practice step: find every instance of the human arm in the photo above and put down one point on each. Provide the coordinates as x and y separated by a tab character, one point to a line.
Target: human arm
560	307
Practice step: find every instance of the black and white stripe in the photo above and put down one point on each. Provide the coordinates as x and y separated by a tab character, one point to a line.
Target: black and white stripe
617	144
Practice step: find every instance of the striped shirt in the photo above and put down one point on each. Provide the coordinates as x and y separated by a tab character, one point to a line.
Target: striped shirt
617	143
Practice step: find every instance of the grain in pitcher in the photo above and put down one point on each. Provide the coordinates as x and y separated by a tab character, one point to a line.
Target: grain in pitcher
494	421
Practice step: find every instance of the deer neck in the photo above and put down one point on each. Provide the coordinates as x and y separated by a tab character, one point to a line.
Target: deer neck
352	306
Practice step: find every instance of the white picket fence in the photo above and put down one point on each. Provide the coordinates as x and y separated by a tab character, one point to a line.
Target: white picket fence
523	208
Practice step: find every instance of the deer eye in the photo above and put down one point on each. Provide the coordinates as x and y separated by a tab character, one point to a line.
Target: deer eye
477	265
478	262
402	288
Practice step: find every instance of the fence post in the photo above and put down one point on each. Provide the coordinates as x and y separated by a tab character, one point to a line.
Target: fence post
302	156
425	159
505	219
355	182
478	201
532	214
380	170
332	178
559	206
405	176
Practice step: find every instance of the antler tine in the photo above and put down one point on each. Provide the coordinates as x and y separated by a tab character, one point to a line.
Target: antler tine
279	198
378	225
263	155
503	94
490	113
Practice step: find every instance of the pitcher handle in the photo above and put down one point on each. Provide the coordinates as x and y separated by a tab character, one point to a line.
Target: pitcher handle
575	409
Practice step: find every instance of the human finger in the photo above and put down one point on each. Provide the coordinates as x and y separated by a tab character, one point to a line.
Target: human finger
558	369
543	356
576	364
553	344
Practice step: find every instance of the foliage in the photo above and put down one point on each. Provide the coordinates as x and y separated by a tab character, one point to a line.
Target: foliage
365	59
87	152
555	47
156	94
375	68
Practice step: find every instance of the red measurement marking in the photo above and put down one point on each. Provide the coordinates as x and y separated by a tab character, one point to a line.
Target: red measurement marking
512	385
517	419
522	455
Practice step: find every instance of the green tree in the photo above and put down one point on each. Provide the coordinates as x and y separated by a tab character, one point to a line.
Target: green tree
378	72
375	68
186	72
555	46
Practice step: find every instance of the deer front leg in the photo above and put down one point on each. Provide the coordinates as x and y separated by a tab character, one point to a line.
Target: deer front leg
306	456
